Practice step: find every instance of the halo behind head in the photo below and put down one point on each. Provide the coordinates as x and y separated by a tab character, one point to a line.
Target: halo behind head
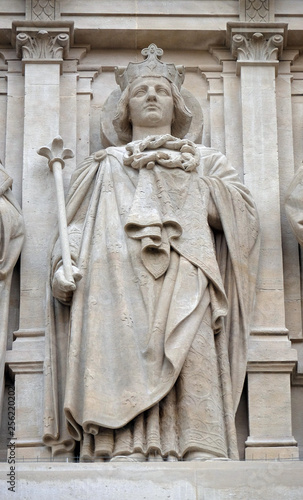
191	130
115	125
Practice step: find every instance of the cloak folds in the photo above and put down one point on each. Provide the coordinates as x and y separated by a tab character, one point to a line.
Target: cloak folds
162	296
11	240
294	205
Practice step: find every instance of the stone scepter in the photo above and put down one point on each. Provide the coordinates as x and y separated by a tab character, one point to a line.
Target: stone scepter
56	154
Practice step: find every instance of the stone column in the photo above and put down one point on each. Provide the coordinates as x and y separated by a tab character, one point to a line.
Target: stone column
42	52
287	166
84	96
232	116
216	105
271	360
13	134
3	108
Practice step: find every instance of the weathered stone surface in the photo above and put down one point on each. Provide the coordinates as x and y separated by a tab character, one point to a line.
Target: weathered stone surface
252	111
11	240
165	247
261	480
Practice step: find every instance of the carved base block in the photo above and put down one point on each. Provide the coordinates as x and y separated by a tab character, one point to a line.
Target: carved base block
177	481
32	452
272	453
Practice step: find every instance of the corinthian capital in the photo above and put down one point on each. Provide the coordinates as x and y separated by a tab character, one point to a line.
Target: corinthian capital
257	47
42	45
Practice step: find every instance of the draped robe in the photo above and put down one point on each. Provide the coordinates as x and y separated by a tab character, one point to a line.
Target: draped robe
294	205
11	239
151	356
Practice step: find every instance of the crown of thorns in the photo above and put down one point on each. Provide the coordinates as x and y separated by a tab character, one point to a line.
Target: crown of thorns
151	66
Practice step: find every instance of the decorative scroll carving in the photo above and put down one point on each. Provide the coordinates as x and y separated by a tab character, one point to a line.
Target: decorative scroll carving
43	10
42	45
257	47
257	11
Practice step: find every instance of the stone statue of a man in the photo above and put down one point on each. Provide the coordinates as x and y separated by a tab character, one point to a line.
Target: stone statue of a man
146	354
294	204
11	239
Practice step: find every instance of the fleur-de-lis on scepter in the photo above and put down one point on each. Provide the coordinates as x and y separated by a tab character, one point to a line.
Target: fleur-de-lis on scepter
54	151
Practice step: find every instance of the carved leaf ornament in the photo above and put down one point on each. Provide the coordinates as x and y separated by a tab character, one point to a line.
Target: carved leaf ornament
257	48
42	46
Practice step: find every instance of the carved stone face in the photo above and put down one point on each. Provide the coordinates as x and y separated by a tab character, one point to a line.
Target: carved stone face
151	102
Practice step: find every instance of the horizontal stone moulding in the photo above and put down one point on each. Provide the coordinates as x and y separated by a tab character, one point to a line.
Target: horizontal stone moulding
259	64
29	332
32	28
271	441
42	61
25	367
30	442
271	366
248	29
297	379
269	331
272	453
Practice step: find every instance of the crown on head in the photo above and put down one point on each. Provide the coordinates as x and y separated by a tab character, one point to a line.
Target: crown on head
152	65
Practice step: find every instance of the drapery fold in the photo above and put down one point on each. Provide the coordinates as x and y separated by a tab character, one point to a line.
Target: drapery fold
11	240
136	314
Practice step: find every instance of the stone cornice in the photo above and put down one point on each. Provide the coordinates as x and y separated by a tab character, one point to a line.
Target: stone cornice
248	29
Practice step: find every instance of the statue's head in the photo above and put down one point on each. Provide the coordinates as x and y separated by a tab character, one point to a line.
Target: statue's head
151	96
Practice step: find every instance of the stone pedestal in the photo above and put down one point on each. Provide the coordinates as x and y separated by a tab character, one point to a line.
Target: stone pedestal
270	364
178	481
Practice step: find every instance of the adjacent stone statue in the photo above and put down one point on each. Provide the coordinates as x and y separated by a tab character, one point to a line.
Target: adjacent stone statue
11	239
146	353
294	204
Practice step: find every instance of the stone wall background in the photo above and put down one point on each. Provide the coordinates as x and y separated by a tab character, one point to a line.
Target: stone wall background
252	102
